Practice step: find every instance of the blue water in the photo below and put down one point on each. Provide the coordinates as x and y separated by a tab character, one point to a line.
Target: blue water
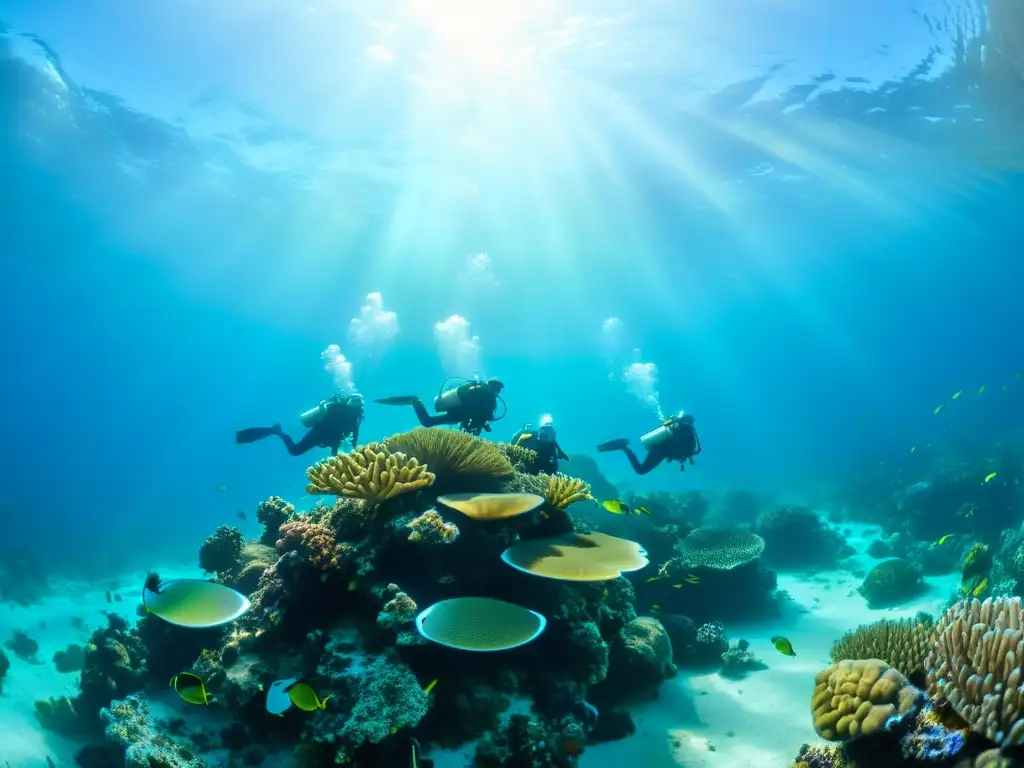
807	220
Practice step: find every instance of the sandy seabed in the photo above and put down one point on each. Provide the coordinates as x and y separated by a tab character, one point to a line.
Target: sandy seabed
700	720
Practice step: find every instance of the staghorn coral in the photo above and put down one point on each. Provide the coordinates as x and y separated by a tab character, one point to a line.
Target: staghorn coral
902	644
272	514
453	456
431	528
975	666
858	697
313	542
719	547
222	551
891	582
399	610
373	474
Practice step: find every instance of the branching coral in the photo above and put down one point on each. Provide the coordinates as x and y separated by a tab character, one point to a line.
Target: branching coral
222	551
720	548
854	698
373	474
430	528
564	490
452	455
902	644
975	666
314	543
891	582
272	514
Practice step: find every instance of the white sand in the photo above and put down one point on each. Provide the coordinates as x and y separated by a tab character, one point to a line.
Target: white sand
759	721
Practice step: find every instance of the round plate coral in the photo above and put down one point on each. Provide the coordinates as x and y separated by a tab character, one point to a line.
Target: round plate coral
479	624
577	557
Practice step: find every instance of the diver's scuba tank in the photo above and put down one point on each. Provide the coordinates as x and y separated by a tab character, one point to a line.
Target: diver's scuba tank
314	415
661	434
452	398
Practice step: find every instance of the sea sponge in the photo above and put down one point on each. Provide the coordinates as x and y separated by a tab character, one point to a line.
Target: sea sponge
975	665
272	514
453	455
222	551
431	528
902	644
719	547
373	474
891	582
315	544
857	697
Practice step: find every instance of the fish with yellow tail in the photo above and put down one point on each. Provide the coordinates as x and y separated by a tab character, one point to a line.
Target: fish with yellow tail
943	539
783	646
191	689
616	507
282	695
989	478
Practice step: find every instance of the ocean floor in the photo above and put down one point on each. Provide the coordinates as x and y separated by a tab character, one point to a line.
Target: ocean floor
700	720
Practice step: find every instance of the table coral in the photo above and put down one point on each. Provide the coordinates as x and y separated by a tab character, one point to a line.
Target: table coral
373	474
858	697
431	528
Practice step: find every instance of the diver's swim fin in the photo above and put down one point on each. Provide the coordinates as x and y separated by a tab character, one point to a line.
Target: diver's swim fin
613	445
398	400
253	434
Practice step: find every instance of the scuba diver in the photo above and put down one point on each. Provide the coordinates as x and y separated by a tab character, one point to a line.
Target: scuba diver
675	440
329	423
544	442
471	405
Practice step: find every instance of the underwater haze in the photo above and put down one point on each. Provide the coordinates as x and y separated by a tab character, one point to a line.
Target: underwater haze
803	223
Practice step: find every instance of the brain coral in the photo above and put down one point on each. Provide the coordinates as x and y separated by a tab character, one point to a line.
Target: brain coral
720	547
901	644
857	697
975	665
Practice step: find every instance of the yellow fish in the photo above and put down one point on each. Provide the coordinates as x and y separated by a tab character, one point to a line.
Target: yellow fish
616	507
938	410
942	540
655	607
981	390
190	688
957	393
980	588
430	686
643	510
677	586
913	448
352	586
655	578
989	476
692	579
304	697
783	646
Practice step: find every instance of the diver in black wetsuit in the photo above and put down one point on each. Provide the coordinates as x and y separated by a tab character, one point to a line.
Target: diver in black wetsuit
471	405
330	422
675	440
544	442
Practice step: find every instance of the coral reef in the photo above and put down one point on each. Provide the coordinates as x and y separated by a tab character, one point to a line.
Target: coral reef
399	610
130	726
797	537
641	657
522	459
373	474
222	551
272	514
902	644
711	643
892	582
860	696
71	659
431	528
738	661
312	543
463	461
720	548
23	646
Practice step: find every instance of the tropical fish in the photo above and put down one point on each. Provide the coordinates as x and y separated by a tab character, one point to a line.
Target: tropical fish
278	700
304	697
957	394
240	515
981	390
663	568
193	603
616	507
190	688
692	578
430	686
942	540
352	586
783	646
655	578
415	761
938	410
655	607
990	476
976	592
643	511
913	448
677	586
